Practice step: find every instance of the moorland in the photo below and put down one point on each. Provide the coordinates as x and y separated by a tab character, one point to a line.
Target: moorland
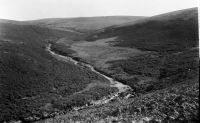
158	57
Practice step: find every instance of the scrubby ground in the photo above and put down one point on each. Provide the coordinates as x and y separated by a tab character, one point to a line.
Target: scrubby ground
174	104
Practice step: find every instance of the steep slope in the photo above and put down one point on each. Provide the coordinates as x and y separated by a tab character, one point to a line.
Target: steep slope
84	24
31	80
174	31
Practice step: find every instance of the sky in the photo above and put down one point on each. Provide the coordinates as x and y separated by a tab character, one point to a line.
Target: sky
37	9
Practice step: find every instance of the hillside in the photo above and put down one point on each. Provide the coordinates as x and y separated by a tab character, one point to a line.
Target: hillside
84	24
174	31
32	80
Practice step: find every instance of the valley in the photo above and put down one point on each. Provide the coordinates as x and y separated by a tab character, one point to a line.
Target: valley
113	83
100	69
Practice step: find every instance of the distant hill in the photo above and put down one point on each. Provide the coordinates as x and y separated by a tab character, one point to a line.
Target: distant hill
84	24
172	31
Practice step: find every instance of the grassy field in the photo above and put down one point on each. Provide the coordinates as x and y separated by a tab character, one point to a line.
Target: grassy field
98	53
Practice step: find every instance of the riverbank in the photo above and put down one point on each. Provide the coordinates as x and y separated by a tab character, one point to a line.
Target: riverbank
121	87
123	91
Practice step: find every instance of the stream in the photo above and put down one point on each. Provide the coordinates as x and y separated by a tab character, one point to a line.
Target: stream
113	83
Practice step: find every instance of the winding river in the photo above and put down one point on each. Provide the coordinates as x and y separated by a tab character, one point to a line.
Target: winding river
113	83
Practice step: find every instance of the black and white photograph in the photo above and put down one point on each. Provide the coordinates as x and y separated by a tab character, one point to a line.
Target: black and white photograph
99	61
